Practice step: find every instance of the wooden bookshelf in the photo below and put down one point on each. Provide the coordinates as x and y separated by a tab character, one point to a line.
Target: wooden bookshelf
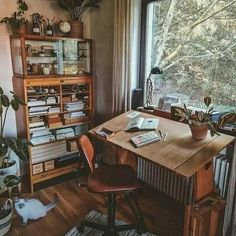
59	105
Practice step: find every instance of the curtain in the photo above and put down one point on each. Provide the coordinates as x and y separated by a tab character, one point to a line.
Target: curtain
229	228
127	18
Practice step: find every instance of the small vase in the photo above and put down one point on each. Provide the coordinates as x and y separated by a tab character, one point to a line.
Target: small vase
199	132
76	29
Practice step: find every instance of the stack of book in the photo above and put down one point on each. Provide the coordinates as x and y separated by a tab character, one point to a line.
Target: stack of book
64	133
38	110
221	165
51	100
74	106
35	102
54	121
54	109
42	136
74	117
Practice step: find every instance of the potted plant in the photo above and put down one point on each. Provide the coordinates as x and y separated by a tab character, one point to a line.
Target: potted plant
76	9
199	122
8	178
17	21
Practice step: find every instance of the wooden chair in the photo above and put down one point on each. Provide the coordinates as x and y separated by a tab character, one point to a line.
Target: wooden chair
110	180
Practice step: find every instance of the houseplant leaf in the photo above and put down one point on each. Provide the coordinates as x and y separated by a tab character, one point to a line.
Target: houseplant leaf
11	181
5	100
15	104
19	146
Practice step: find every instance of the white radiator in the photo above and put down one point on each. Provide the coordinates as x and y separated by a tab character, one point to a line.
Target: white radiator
176	186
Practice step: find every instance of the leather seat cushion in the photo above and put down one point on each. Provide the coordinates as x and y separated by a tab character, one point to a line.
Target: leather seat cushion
112	178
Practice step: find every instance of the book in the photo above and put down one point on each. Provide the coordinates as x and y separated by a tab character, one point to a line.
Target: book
140	123
105	132
144	139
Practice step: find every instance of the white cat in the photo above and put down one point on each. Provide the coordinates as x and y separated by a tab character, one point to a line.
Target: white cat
32	209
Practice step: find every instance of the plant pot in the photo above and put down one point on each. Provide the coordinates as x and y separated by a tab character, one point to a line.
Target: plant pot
23	29
76	29
11	170
5	221
199	132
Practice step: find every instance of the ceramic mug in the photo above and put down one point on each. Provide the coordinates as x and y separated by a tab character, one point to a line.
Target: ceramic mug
46	70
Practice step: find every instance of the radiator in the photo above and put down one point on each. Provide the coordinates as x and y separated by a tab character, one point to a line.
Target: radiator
166	181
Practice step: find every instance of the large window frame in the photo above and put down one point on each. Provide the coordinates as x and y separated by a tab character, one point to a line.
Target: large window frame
142	73
143	41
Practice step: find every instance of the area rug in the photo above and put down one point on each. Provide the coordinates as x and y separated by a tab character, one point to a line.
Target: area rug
97	217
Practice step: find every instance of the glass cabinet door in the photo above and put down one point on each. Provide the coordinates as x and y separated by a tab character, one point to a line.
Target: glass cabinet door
42	57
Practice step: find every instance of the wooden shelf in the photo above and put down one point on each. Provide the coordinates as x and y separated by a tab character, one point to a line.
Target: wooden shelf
28	85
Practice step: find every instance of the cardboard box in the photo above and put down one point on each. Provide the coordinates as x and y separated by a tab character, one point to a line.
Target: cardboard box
37	168
49	165
72	146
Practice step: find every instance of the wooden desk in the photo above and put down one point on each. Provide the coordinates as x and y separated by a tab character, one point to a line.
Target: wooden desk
179	153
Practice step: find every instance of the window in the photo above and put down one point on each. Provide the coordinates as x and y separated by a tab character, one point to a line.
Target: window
194	42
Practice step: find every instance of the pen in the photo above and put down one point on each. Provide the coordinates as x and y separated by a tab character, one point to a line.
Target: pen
161	134
164	139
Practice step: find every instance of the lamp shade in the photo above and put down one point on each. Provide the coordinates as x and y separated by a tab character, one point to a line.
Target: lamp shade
156	70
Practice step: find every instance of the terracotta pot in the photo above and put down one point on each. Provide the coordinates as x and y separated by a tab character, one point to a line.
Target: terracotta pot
76	29
23	29
199	132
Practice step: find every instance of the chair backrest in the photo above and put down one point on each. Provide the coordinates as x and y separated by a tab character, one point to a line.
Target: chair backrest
87	148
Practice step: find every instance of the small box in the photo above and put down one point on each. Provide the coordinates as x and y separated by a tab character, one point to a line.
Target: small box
49	165
72	146
66	99
37	168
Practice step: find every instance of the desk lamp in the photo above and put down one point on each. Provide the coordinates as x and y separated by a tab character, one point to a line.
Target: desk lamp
149	87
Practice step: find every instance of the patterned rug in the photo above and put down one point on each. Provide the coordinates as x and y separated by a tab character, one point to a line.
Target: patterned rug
97	217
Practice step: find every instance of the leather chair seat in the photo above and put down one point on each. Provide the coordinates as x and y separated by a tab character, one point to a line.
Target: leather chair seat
112	178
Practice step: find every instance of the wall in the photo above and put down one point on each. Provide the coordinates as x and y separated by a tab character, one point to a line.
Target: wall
48	8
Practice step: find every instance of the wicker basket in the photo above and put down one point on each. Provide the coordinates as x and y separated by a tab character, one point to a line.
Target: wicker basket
76	29
5	223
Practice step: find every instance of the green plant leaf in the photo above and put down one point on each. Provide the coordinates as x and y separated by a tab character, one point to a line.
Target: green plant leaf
19	146
1	91
5	100
19	100
66	4
207	101
11	181
15	104
3	149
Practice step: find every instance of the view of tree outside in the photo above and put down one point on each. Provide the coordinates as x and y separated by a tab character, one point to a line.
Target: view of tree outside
194	42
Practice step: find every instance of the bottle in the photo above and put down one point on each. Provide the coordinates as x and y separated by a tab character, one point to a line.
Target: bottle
49	28
36	28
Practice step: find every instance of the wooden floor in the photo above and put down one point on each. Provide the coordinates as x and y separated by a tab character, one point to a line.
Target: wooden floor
163	216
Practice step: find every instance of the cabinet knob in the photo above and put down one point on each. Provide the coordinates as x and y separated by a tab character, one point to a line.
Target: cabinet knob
62	81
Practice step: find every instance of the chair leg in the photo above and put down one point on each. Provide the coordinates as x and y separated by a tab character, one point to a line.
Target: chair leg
111	212
136	210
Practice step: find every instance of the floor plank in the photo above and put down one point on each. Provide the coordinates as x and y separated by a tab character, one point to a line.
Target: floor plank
162	215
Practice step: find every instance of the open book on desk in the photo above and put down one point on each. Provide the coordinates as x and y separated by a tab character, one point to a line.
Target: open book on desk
141	123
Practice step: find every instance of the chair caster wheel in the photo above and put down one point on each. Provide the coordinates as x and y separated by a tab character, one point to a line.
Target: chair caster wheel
81	228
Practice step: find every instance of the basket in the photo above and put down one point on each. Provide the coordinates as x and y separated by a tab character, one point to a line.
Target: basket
76	29
5	223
